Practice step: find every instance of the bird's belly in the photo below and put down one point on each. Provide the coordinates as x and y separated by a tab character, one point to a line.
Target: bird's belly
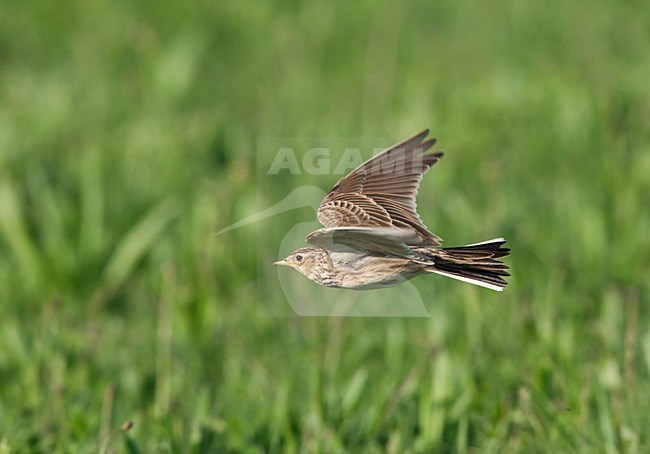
389	282
370	272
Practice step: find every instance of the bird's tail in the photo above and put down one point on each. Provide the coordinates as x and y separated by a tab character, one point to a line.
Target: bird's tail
475	263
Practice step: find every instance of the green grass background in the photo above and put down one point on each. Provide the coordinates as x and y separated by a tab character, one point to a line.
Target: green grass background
128	137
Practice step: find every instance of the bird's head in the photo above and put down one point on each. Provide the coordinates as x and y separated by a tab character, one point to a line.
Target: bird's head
307	260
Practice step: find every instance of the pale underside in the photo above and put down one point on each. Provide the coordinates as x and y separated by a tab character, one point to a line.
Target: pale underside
366	272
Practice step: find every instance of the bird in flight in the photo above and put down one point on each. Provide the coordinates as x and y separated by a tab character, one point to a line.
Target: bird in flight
374	237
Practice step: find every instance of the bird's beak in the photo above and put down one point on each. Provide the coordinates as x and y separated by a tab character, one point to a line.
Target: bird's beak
281	263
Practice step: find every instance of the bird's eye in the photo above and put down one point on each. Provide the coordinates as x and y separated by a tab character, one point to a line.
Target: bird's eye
299	258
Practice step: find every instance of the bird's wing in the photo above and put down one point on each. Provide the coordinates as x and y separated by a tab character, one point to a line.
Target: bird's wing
381	192
388	241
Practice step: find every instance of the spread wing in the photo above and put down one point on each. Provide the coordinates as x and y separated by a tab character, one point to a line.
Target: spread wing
386	241
381	192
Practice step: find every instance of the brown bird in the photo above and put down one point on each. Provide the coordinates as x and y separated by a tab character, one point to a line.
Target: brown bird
374	237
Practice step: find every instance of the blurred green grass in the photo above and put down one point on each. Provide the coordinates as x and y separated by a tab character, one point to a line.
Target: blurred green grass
128	137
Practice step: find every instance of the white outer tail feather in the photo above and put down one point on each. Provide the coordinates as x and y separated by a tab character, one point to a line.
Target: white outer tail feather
485	242
470	280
